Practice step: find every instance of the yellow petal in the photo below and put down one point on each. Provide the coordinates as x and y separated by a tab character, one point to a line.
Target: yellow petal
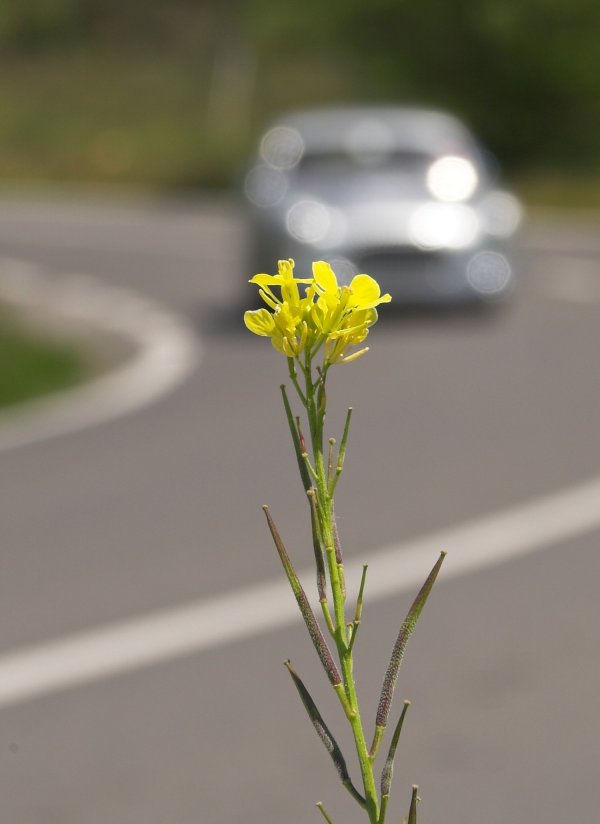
276	280
366	292
266	280
324	276
259	321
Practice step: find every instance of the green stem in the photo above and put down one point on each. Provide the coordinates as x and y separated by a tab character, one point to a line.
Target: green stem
325	511
324	501
366	765
294	379
308	400
314	400
345	653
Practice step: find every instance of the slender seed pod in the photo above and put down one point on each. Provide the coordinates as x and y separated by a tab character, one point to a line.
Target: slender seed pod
321	400
324	812
330	462
317	545
312	625
408	625
336	540
297	440
341	453
301	437
388	769
412	815
325	735
337	548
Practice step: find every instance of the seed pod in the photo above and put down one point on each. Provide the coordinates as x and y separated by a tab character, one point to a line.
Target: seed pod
388	770
408	625
317	545
325	735
312	625
412	815
297	439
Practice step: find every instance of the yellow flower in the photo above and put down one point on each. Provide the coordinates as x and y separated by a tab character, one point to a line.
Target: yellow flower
285	280
259	321
337	317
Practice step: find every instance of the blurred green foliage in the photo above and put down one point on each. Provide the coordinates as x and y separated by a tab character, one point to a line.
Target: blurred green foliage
173	92
31	365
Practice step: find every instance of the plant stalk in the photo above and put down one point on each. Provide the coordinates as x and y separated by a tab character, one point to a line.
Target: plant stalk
313	399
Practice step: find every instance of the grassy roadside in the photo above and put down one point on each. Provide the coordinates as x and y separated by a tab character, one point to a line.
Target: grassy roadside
135	120
551	189
32	364
164	122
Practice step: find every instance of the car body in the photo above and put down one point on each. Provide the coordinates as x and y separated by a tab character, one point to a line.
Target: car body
404	194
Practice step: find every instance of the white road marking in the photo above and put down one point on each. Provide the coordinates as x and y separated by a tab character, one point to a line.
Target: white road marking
108	651
164	351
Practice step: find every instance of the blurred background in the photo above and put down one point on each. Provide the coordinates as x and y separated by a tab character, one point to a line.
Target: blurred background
134	689
172	95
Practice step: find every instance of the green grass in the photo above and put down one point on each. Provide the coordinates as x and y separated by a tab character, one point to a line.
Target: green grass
31	366
559	190
121	119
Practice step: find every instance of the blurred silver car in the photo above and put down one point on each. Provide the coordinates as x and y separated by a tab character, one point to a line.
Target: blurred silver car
406	195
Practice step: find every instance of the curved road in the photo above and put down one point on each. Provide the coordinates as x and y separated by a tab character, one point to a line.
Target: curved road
122	542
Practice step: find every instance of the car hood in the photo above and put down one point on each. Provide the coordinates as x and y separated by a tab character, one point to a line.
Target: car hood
375	213
382	187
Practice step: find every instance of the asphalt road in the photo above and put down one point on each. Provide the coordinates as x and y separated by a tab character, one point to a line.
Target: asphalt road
457	418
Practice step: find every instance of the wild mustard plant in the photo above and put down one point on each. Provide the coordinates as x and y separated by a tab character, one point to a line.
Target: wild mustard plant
315	328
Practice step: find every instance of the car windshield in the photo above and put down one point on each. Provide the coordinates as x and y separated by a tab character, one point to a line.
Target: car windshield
341	164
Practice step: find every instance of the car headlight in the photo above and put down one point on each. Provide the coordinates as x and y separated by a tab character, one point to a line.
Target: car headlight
502	213
443	226
282	147
310	221
452	178
489	273
265	187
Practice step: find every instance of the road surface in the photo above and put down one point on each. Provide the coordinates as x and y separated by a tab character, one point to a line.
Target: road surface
145	693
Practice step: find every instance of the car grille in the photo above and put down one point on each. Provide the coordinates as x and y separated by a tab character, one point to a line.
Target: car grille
399	263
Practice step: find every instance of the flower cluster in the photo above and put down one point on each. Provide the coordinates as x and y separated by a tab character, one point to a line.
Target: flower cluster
337	317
